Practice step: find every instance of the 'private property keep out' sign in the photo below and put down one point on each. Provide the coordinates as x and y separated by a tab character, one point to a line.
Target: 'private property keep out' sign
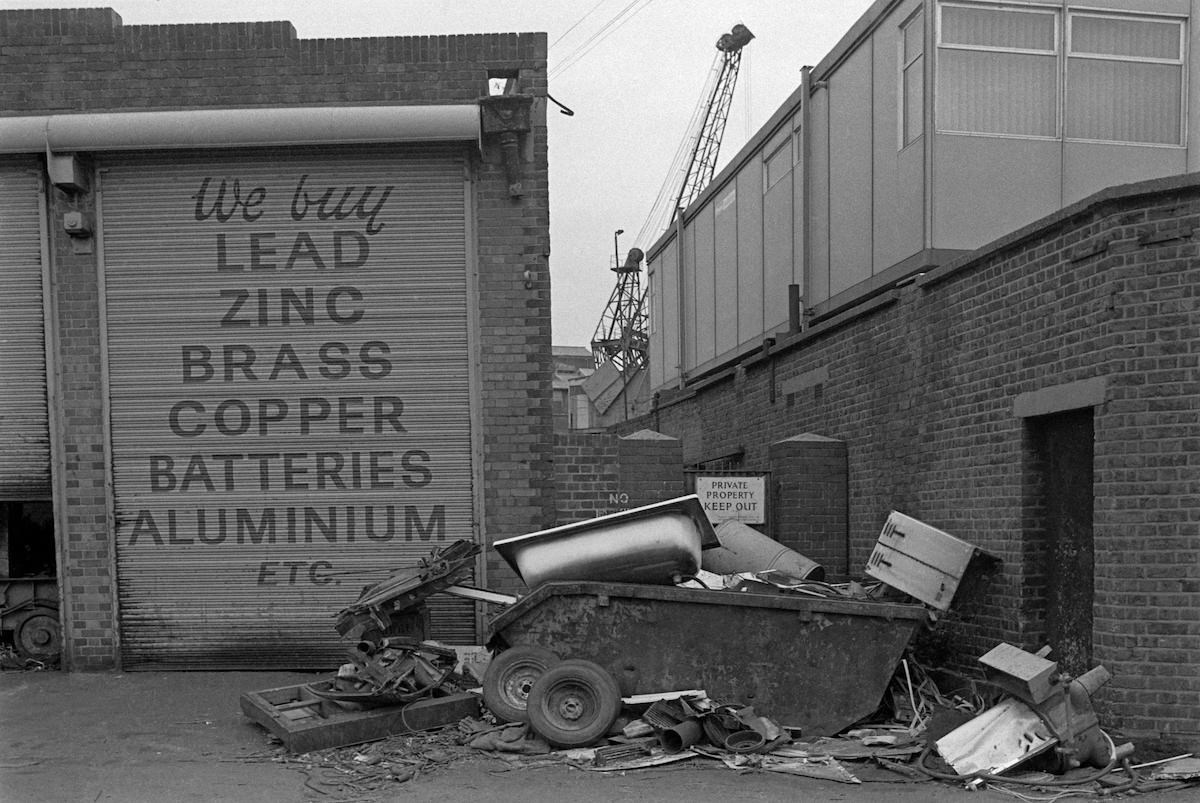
740	498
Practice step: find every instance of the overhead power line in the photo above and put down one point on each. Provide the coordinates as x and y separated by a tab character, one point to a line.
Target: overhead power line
610	27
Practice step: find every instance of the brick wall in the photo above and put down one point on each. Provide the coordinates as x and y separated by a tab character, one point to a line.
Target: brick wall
920	385
810	479
86	60
598	473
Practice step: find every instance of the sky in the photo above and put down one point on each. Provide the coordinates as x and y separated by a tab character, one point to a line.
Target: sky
633	71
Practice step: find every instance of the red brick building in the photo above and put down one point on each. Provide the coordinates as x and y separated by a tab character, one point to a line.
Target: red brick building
282	320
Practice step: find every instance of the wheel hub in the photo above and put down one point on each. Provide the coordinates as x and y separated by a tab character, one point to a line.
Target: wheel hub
571	707
39	637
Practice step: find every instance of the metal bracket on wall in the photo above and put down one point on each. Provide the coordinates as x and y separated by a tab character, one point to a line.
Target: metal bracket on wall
504	118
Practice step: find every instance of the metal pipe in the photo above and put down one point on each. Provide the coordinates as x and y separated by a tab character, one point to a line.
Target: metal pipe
224	128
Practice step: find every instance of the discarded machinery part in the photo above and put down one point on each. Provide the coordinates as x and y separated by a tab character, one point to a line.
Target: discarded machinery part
371	614
719	724
681	735
37	634
510	676
663	714
747	741
923	561
745	549
611	754
574	703
480	594
651	544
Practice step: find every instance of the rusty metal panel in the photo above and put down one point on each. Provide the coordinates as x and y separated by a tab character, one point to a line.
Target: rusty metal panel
288	374
24	422
813	663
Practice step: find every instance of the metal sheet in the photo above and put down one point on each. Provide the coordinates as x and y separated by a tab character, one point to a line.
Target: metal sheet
816	664
288	370
24	427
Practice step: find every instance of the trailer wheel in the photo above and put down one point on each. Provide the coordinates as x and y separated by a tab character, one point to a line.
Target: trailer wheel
37	635
574	703
510	676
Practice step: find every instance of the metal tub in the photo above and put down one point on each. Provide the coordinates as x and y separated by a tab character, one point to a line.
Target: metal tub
813	663
652	544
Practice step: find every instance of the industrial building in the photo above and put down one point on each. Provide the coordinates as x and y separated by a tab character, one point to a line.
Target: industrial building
953	276
256	286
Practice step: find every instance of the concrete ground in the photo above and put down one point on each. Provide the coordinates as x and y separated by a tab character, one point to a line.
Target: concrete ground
182	737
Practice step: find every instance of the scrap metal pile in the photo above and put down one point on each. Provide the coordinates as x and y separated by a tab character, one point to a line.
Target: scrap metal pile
649	637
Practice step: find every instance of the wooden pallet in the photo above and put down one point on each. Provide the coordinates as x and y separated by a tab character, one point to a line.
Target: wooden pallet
304	722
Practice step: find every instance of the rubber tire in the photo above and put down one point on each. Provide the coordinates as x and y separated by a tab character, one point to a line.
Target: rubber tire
509	678
38	635
574	703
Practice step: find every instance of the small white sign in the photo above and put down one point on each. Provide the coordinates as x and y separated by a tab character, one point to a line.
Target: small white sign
743	499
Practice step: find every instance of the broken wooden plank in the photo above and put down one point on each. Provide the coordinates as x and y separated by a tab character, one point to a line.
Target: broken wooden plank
304	722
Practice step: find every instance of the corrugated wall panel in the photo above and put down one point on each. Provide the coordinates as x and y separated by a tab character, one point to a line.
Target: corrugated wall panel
24	427
290	410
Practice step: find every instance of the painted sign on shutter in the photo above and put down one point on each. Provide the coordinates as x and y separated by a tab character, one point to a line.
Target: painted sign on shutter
289	381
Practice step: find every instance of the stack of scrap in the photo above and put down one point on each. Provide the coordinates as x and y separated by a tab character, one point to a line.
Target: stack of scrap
396	604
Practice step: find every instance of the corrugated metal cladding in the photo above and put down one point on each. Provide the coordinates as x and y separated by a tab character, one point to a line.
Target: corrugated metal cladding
290	415
24	427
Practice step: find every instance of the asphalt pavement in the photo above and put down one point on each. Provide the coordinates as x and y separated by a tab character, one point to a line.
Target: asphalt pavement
181	736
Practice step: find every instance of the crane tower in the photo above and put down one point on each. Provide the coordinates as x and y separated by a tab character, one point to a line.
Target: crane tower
622	336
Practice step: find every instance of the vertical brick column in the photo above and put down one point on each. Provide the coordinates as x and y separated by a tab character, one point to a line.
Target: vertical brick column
811	478
85	548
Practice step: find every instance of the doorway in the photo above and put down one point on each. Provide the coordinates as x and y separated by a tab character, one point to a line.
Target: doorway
1063	444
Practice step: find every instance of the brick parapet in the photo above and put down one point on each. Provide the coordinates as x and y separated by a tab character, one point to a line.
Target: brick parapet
922	387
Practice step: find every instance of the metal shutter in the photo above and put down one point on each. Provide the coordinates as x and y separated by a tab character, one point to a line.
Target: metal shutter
24	428
288	367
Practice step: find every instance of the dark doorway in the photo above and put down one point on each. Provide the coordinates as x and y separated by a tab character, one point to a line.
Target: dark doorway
1063	443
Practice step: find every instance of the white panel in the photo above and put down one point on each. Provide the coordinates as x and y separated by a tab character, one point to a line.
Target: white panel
817	284
727	264
289	381
24	428
668	309
1091	166
750	253
777	252
898	197
985	187
850	152
704	277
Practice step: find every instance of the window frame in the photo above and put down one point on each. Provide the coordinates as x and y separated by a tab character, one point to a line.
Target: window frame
917	17
1055	12
1180	61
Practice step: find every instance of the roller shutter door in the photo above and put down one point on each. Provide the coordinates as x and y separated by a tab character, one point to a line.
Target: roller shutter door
24	428
289	382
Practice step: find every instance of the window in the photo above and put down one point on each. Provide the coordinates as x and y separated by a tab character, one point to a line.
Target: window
1124	79
582	418
1002	70
998	70
778	164
912	79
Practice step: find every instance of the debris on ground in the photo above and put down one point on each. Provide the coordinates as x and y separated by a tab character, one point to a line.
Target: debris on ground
635	648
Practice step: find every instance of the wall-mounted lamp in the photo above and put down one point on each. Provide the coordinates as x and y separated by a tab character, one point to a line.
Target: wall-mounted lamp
530	275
